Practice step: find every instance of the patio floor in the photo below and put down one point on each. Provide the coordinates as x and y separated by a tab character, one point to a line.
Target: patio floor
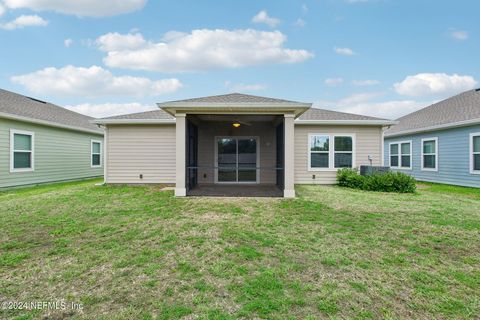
222	190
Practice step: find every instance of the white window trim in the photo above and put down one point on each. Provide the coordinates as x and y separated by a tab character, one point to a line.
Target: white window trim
471	153
430	154
91	153
257	139
12	145
399	143
331	150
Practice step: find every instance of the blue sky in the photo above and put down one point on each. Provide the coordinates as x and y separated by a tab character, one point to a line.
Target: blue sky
379	57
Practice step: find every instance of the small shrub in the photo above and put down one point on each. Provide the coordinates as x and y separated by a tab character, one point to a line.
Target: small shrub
385	182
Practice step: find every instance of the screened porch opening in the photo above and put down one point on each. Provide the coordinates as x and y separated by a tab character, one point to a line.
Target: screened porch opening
235	155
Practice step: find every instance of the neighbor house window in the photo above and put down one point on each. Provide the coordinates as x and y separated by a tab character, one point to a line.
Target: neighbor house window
21	151
430	154
475	153
401	155
330	152
96	153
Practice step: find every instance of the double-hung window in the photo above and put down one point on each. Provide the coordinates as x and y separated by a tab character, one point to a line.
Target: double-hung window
475	153
401	155
96	154
21	151
343	151
319	151
330	152
430	154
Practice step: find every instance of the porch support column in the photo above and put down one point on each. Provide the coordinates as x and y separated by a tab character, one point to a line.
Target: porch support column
180	141
289	165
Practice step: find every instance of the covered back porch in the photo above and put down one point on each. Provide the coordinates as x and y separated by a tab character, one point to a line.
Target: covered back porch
235	145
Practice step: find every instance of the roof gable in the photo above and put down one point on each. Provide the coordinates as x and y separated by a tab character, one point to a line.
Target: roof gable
462	108
232	98
29	109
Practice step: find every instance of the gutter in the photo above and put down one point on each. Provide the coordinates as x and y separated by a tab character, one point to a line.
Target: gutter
48	123
299	122
347	122
133	121
172	108
434	128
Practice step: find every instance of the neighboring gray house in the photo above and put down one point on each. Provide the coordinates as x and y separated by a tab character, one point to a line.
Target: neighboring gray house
440	143
237	144
41	142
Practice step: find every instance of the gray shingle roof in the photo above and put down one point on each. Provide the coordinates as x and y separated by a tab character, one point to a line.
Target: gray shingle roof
232	98
22	106
462	107
322	114
148	115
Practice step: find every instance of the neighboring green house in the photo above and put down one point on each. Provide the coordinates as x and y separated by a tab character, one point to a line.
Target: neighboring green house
41	142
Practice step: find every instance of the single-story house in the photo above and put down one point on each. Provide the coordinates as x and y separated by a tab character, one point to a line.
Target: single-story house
440	143
237	144
41	142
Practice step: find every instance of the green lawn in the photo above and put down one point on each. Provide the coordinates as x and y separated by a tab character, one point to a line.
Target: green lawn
138	252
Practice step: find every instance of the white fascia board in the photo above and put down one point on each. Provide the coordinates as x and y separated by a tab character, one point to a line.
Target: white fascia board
233	105
47	123
434	128
297	108
347	122
133	121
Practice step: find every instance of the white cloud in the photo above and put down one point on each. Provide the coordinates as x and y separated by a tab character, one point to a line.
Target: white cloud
367	104
344	51
393	109
434	84
241	87
207	49
116	42
263	17
2	10
92	82
364	83
300	23
459	35
333	81
25	21
110	109
304	9
68	42
91	8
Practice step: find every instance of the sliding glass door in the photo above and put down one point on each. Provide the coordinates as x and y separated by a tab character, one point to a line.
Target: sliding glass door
237	160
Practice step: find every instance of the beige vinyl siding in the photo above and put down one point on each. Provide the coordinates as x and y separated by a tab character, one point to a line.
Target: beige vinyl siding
207	131
368	141
140	149
59	155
